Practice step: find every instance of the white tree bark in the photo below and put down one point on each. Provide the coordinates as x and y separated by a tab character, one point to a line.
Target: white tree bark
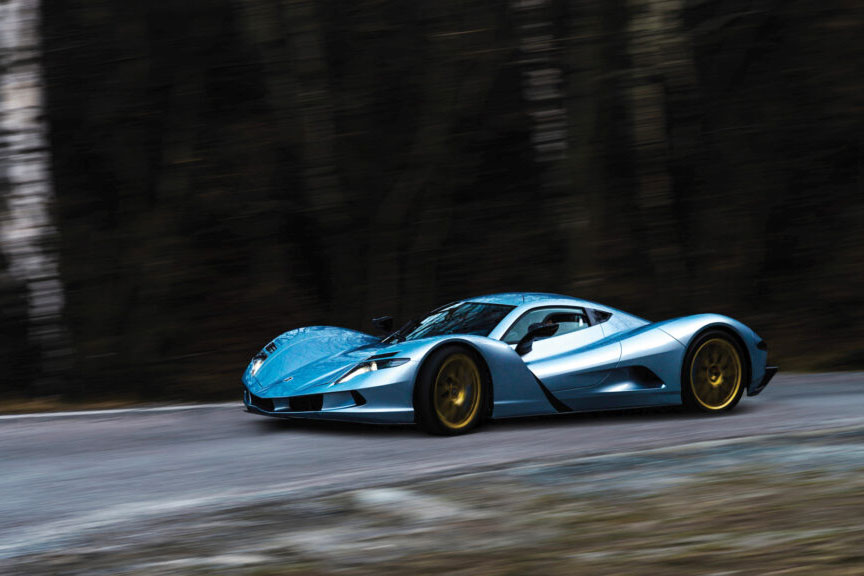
27	234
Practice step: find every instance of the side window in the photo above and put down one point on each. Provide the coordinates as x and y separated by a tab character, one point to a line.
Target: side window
568	320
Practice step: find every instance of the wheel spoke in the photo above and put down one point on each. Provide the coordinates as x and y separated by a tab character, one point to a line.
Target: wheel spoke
452	411
715	375
457	391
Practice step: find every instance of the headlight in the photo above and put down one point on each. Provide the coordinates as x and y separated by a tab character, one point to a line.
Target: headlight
371	366
257	361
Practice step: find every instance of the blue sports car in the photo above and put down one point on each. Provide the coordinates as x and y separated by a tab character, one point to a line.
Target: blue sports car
502	356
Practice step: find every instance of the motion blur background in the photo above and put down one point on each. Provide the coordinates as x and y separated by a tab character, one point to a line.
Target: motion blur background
182	181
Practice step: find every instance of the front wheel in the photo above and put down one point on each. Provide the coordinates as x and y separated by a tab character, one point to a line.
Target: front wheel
713	373
451	392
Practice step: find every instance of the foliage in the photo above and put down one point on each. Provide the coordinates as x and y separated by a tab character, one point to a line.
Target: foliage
226	170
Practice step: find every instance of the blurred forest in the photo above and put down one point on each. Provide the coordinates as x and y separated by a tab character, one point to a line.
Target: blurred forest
225	170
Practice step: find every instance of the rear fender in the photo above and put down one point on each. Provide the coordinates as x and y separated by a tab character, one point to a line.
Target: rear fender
686	329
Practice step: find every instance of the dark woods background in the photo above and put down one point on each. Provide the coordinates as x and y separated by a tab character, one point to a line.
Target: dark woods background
226	170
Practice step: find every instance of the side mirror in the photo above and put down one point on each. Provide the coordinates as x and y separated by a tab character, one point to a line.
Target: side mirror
535	331
383	324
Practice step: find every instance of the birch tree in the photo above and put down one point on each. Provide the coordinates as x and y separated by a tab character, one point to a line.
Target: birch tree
27	233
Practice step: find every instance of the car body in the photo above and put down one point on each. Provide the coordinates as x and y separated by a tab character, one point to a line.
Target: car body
600	358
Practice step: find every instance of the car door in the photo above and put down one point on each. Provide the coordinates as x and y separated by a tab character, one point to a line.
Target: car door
576	357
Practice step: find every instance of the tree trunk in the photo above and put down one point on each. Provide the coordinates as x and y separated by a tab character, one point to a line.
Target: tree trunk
583	89
450	93
289	36
27	233
659	58
324	195
540	59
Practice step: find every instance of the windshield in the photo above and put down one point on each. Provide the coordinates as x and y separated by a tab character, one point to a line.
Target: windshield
461	318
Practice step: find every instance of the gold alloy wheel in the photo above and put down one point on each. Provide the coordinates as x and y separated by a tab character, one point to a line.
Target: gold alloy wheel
457	391
715	374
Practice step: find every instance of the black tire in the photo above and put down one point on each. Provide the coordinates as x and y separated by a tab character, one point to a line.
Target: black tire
452	392
715	373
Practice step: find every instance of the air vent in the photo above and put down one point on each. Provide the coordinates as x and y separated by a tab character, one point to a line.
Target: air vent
359	400
310	403
600	316
265	404
271	347
380	356
644	377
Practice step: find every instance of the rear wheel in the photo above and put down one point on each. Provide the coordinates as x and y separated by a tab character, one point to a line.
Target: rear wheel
451	392
713	373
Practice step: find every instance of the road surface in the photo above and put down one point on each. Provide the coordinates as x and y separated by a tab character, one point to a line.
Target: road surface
63	476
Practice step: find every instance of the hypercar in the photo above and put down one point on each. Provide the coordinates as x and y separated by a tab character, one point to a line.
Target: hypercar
503	356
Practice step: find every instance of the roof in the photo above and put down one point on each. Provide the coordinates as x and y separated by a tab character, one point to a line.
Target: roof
519	298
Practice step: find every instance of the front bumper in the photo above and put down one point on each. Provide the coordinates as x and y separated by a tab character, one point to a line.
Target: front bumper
380	404
383	396
770	371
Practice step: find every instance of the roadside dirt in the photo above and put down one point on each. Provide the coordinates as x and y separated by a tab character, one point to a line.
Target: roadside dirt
786	505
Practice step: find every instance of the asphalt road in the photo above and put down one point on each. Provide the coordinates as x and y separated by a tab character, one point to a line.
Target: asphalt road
64	476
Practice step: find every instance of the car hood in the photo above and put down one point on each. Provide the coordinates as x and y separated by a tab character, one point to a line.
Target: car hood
307	354
308	358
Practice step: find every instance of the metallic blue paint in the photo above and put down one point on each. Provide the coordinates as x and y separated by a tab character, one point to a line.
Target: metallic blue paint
623	362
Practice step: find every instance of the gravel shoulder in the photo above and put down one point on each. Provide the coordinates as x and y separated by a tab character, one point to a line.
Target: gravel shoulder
791	504
773	487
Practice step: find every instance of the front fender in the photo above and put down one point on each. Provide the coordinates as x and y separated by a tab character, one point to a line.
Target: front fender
515	390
